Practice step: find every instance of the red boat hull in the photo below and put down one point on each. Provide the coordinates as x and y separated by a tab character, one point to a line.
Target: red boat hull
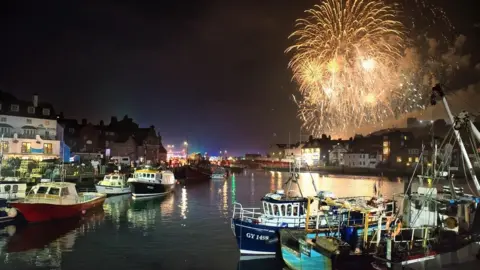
39	212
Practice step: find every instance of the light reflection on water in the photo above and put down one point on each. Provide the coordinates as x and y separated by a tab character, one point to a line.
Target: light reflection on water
156	233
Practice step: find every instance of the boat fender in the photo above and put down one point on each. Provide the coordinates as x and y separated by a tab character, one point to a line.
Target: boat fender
11	212
11	230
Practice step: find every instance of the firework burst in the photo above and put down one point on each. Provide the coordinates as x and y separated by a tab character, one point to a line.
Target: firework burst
350	62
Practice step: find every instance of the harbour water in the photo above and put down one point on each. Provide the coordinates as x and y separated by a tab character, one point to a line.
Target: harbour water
189	229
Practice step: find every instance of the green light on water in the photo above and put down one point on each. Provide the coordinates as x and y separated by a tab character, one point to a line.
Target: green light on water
233	198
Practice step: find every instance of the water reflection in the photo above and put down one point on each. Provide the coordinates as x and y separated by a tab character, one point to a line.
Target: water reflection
116	208
225	196
344	186
183	203
167	207
278	175
142	213
272	180
234	190
252	189
42	244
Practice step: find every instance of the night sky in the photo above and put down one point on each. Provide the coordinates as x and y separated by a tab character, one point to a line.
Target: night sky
210	72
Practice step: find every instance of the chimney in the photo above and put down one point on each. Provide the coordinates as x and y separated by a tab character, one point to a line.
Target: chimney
35	100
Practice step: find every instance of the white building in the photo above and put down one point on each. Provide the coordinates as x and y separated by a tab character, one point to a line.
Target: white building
29	131
361	160
294	153
336	155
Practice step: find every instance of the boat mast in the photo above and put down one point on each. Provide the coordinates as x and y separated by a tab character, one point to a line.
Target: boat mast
1	156
437	91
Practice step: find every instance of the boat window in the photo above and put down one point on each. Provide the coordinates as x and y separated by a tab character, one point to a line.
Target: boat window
15	188
115	177
289	210
272	210
42	190
7	188
54	191
65	192
265	208
275	209
295	210
107	177
282	209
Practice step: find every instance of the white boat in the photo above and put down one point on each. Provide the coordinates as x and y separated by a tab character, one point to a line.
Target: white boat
113	184
12	189
149	182
219	173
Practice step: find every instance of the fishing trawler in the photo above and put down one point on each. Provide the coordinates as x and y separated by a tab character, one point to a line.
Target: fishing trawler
148	182
57	200
113	184
429	231
256	229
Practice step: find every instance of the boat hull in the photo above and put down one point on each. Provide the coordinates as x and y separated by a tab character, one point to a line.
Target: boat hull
40	212
257	239
140	189
193	173
303	255
110	191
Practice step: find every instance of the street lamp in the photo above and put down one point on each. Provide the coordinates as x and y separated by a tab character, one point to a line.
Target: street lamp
185	143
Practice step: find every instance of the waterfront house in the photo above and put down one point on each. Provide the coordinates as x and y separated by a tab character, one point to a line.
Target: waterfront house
29	128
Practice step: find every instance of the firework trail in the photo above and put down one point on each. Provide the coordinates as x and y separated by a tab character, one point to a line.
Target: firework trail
354	66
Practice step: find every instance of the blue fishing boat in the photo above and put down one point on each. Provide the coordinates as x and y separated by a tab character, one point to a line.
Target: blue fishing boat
319	246
257	229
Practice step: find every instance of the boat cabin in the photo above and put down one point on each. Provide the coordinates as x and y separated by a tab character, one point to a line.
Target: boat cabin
12	190
148	175
154	176
428	208
278	205
113	179
53	191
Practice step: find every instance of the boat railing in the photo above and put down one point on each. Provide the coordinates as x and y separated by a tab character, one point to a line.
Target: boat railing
253	214
240	212
415	234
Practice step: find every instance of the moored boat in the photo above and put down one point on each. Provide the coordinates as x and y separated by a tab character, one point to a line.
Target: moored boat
148	182
57	200
219	173
113	184
256	230
7	213
12	189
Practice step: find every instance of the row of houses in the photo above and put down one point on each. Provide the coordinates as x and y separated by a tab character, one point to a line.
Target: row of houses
32	130
390	148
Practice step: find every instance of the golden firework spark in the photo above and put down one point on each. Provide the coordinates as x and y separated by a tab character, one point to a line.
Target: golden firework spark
349	62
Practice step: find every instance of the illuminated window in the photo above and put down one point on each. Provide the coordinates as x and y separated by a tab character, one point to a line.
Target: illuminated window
405	138
409	159
4	146
385	144
399	159
26	147
318	150
416	159
47	148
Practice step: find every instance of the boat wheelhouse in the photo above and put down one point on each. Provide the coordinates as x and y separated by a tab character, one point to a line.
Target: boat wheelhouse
12	190
113	184
57	200
148	182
